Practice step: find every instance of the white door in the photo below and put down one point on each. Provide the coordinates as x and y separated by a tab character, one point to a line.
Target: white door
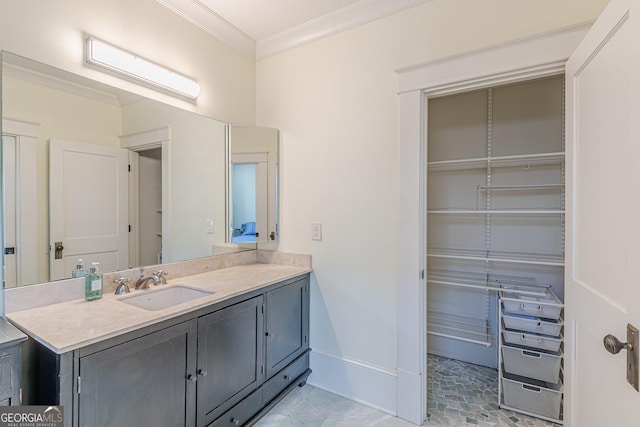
603	217
20	208
9	178
88	202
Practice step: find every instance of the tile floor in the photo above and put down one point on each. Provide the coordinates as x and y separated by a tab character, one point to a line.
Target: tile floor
460	394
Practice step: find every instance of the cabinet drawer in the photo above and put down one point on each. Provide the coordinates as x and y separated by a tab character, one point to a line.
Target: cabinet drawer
242	412
284	378
6	383
533	396
532	364
539	342
547	306
533	324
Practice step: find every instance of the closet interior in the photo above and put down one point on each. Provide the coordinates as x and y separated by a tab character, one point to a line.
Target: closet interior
495	237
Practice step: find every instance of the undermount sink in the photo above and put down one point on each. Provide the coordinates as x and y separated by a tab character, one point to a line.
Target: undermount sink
165	297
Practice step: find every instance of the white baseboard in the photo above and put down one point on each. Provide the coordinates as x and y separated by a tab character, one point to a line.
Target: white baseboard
366	384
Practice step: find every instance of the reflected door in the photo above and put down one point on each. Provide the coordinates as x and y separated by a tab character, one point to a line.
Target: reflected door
20	209
89	206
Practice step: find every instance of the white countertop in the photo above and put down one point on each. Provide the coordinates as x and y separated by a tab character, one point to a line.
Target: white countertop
70	325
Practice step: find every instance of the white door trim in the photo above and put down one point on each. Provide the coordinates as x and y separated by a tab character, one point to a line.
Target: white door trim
523	59
19	127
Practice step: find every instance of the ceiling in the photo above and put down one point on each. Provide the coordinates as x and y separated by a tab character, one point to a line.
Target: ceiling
262	28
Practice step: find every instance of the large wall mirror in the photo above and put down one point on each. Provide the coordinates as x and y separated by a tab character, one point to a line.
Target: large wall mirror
94	172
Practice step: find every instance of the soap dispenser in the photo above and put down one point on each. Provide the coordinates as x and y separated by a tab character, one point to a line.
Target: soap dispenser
79	271
93	283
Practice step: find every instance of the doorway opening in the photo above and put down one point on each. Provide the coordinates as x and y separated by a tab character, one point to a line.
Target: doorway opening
495	253
150	206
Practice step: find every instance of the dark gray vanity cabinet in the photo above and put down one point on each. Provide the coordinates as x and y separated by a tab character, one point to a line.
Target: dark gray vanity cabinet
222	365
143	382
230	354
10	364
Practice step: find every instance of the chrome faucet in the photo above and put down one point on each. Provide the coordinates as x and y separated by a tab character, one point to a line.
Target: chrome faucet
160	276
123	287
143	281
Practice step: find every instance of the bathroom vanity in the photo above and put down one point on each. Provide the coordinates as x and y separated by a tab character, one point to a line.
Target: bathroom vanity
10	349
222	359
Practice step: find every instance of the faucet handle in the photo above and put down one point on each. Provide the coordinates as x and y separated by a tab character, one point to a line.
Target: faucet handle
160	275
122	287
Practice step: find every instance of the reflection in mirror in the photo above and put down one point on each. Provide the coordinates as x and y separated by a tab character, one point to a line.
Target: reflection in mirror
67	145
253	184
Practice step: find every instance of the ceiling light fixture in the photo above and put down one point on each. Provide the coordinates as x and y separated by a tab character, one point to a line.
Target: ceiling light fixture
114	59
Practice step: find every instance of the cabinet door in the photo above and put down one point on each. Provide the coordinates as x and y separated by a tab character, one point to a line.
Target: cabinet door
287	324
230	357
141	382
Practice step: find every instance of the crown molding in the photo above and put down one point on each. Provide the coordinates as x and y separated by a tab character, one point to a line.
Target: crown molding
360	13
205	18
341	20
60	84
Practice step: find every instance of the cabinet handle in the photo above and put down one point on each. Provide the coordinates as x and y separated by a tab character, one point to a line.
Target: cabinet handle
287	377
202	372
191	378
235	421
268	334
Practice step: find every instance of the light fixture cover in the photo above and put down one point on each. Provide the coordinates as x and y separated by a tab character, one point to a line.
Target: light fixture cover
120	61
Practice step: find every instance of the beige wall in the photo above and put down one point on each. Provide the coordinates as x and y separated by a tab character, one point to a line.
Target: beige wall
52	32
336	105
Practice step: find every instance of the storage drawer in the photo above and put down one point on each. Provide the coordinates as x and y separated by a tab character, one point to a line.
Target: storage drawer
532	364
532	396
540	342
548	306
533	324
282	379
242	412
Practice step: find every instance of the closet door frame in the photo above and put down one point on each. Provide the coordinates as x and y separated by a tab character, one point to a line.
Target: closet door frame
529	58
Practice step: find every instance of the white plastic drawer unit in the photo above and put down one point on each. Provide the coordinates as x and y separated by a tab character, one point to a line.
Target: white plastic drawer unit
547	306
533	324
543	366
536	397
532	340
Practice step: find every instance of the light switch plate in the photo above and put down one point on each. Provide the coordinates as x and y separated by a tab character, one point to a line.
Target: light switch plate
210	226
316	231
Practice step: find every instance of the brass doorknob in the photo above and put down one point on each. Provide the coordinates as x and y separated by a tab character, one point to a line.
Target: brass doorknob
614	345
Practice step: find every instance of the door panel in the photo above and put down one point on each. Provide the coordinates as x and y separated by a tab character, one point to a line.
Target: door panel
142	382
229	357
88	187
286	327
603	172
